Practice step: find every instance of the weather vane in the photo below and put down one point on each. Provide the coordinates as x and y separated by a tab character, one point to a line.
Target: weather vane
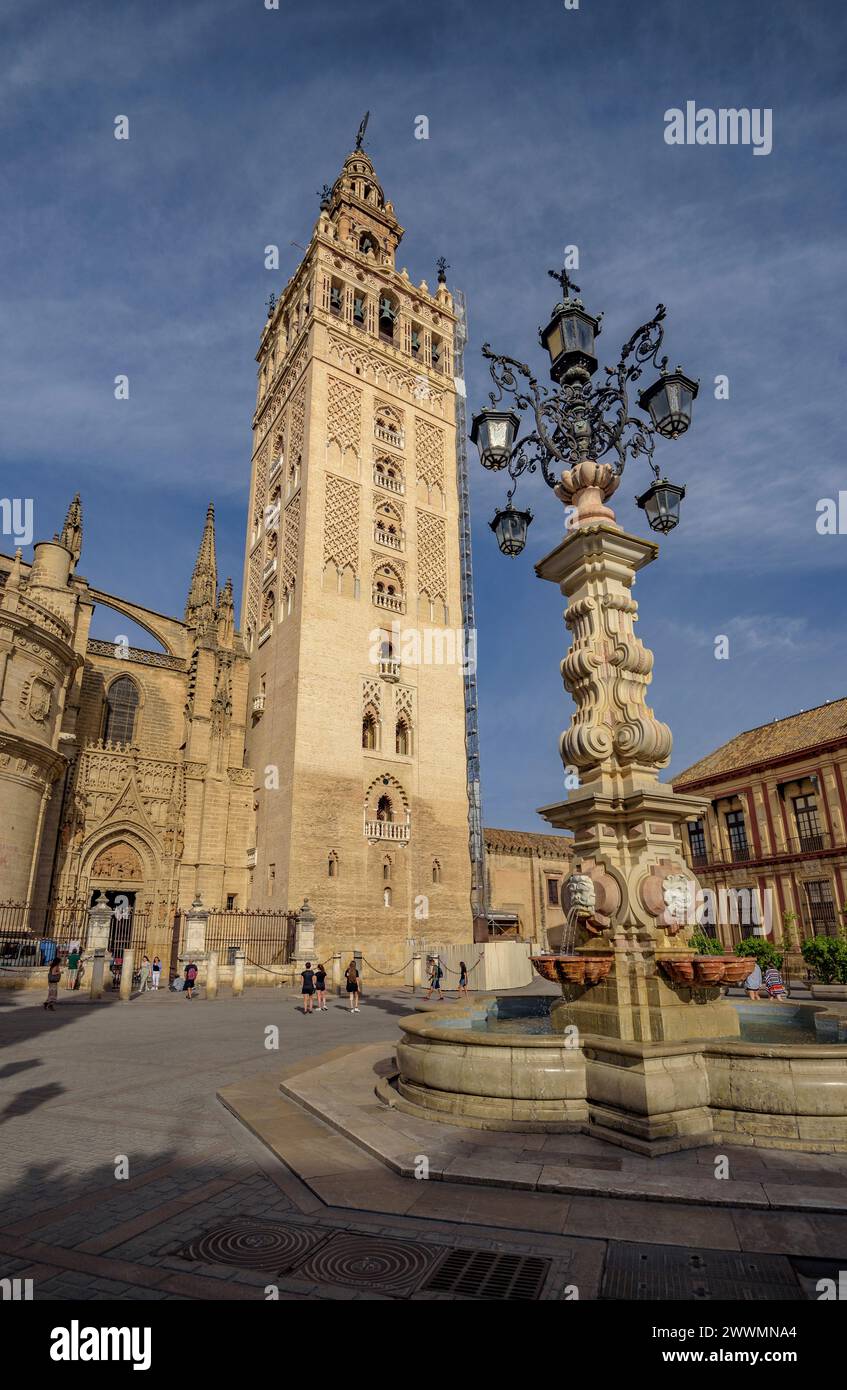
362	128
442	265
565	281
271	303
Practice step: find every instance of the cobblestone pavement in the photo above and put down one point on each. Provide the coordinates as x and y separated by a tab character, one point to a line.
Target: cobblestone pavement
92	1091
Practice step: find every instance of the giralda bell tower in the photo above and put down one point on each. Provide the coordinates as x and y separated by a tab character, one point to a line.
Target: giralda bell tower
352	594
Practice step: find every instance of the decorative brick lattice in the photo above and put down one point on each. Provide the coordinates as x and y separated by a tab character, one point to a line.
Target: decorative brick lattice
344	415
296	424
341	523
429	453
254	588
389	375
403	703
432	555
291	544
371	695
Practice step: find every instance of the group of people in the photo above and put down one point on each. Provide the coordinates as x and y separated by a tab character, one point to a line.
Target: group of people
772	980
314	987
436	978
150	974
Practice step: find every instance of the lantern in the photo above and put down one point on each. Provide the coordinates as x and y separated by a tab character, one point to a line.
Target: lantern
569	339
661	504
669	402
510	527
493	432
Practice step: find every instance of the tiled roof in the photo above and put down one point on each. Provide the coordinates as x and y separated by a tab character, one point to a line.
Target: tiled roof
784	737
528	842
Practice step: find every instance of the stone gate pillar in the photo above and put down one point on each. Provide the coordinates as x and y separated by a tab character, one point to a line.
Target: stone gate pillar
99	922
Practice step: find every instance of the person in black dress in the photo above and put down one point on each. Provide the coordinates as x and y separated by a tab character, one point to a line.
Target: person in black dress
308	978
320	987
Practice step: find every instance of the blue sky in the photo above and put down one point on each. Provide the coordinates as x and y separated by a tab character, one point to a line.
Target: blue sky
546	129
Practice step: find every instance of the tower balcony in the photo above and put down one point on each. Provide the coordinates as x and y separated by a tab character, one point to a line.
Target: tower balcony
396	438
390	484
258	705
387	830
389	668
393	602
395	540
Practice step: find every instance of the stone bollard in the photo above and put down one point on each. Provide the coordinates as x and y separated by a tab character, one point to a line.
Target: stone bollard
196	922
212	975
125	989
336	971
417	977
238	973
357	961
98	966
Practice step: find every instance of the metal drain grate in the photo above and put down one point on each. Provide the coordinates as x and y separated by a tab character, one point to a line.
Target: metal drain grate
486	1274
255	1245
372	1262
643	1272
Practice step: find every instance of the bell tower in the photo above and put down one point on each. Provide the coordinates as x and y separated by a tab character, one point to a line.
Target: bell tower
352	606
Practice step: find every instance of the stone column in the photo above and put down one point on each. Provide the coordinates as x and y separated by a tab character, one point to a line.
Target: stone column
238	974
633	895
196	922
125	990
336	971
99	922
304	944
416	972
98	967
212	975
357	958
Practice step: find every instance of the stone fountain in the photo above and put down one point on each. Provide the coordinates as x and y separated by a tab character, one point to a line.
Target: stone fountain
642	1048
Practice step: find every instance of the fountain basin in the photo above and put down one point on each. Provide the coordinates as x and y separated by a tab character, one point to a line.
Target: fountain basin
573	969
706	970
495	1063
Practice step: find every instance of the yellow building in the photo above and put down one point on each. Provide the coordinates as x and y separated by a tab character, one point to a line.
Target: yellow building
773	825
524	876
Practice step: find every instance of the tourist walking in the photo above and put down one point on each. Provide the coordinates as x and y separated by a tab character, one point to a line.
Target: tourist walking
436	975
73	965
775	985
156	972
320	987
463	977
190	976
54	975
753	983
144	981
351	975
308	990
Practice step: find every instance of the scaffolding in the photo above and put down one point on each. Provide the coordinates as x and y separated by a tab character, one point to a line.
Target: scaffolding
475	840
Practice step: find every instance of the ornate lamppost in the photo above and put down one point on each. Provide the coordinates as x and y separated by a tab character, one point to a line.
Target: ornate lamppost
577	423
625	960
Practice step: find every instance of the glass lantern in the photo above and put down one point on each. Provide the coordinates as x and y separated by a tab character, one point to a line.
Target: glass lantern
493	432
669	402
510	527
569	339
661	504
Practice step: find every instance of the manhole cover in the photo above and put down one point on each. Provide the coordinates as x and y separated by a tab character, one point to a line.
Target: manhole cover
672	1272
485	1274
389	1266
254	1245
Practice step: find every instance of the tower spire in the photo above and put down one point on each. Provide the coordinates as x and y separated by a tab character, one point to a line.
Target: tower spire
72	530
200	608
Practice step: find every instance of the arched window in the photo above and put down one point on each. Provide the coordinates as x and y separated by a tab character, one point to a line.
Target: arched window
268	606
367	244
384	809
403	737
369	730
386	868
121	707
387	317
386	897
332	864
436	871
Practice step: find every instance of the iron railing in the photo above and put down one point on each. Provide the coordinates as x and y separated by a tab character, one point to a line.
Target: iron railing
266	937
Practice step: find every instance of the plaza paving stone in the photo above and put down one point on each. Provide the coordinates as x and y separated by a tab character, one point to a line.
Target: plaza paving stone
89	1083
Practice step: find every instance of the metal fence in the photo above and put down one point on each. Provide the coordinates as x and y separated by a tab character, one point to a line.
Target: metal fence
34	936
265	937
